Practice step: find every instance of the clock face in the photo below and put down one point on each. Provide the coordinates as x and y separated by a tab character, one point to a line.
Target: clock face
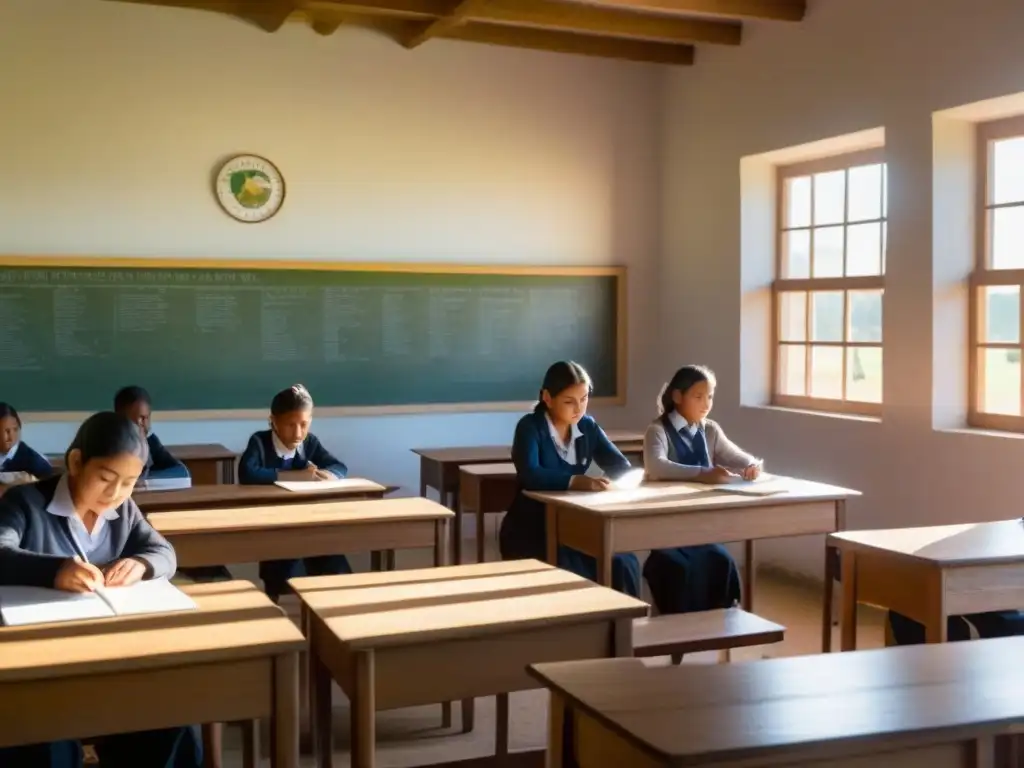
250	188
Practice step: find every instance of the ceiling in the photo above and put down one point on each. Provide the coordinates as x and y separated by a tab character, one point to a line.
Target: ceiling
660	31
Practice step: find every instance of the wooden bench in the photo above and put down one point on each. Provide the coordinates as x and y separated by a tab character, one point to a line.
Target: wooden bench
721	630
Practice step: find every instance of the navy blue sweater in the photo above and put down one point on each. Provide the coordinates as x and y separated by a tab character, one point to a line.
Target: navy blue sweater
539	467
27	460
162	463
260	463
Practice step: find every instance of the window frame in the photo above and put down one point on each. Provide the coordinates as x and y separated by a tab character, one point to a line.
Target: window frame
780	285
982	276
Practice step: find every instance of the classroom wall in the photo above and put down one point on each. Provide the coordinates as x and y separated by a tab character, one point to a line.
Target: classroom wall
852	65
115	116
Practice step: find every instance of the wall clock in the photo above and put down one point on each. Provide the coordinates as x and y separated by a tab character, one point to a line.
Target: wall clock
250	188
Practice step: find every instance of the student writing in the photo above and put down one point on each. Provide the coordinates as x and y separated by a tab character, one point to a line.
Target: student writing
79	531
552	449
684	444
134	403
289	451
18	462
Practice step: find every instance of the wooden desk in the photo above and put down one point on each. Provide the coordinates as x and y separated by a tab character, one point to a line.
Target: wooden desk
203	537
912	707
236	658
658	515
929	574
484	489
417	637
209	497
440	470
207	463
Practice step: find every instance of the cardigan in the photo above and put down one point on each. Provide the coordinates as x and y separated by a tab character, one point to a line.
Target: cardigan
661	461
539	467
27	460
162	463
260	461
34	543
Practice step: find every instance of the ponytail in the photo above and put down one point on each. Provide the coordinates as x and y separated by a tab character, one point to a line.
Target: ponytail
681	382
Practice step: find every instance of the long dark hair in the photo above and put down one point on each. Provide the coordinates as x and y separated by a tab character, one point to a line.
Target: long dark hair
681	381
9	410
107	434
295	398
560	377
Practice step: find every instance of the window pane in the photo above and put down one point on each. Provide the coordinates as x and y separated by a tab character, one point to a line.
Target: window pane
1001	372
796	253
885	243
792	369
830	197
865	316
885	190
1008	238
1002	314
1008	171
828	252
827	372
865	193
827	316
864	374
798	201
793	316
864	249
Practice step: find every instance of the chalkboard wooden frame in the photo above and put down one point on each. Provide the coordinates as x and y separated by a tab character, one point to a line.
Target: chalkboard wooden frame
156	262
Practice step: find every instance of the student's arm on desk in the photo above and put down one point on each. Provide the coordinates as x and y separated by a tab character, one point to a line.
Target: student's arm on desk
20	566
146	545
727	453
658	465
324	459
164	464
36	464
526	457
608	456
251	470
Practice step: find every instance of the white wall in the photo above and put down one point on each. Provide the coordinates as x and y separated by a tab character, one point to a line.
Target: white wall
113	118
851	65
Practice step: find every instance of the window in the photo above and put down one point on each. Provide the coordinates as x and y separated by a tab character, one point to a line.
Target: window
995	314
827	295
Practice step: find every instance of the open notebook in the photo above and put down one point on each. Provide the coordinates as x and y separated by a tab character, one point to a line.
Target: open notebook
320	485
36	605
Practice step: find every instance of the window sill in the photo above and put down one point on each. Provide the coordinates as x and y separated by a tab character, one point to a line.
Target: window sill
982	432
810	412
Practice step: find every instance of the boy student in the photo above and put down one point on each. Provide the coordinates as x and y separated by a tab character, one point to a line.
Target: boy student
134	402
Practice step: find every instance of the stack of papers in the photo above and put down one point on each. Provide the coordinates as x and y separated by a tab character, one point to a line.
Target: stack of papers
319	485
35	605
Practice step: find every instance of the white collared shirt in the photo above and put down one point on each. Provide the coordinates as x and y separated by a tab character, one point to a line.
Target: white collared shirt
283	451
566	451
10	454
682	425
97	546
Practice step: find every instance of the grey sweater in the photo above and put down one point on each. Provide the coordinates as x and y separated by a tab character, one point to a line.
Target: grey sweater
34	543
661	463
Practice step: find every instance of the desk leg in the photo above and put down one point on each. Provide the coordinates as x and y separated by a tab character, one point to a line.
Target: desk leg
457	533
556	732
481	531
831	554
321	721
604	559
441	559
309	672
848	616
285	733
213	745
251	757
749	571
552	534
364	709
501	724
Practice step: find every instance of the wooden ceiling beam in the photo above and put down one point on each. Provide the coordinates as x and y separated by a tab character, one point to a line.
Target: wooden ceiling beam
773	10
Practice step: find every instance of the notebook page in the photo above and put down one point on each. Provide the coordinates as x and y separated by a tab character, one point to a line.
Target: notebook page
36	605
156	596
320	485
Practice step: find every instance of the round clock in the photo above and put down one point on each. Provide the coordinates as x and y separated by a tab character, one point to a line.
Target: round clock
250	188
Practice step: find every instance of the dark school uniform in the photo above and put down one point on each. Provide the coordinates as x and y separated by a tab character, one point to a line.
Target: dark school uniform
700	578
262	459
544	463
22	458
162	464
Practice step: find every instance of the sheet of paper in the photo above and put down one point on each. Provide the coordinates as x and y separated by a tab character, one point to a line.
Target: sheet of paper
35	605
156	596
165	484
631	479
764	485
307	486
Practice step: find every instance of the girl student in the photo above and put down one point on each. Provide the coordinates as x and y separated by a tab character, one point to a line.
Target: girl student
18	462
683	444
79	531
552	450
288	451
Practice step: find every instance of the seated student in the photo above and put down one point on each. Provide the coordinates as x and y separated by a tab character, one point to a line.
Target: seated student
18	462
134	403
683	444
552	450
79	531
288	451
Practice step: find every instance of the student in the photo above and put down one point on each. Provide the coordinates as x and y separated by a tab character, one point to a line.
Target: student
79	531
18	462
134	403
683	444
552	450
288	451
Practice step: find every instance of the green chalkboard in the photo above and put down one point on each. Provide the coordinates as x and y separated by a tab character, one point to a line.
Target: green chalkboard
228	336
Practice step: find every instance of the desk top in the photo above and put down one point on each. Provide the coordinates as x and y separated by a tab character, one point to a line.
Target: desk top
507	469
491	453
665	498
187	452
800	708
234	620
227	496
952	545
298	515
434	604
